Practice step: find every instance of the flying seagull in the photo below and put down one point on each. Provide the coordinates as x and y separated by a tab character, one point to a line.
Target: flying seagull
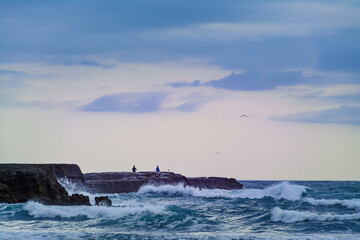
243	115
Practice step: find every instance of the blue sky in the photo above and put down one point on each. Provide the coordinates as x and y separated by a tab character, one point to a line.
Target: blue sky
286	62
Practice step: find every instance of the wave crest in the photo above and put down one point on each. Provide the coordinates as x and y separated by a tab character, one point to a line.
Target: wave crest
38	210
292	216
350	203
281	190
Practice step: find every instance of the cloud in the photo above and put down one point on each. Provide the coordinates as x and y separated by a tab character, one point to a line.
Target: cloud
84	62
188	106
169	30
195	83
340	115
127	102
292	19
8	72
11	78
253	80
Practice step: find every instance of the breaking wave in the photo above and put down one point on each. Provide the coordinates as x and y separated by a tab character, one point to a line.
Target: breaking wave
283	190
38	210
292	216
350	203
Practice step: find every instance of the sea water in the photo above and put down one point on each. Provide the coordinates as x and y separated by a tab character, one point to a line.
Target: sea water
262	210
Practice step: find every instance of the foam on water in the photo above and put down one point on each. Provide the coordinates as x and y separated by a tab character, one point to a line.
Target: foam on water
292	216
38	210
182	212
350	203
283	190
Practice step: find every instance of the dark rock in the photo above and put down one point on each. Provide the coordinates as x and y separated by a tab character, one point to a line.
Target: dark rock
70	171
79	199
215	183
103	201
5	194
124	182
24	182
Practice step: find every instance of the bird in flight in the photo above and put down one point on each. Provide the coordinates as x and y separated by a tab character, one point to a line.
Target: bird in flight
243	115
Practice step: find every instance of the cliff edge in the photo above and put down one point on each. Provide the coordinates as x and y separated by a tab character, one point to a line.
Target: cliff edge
38	182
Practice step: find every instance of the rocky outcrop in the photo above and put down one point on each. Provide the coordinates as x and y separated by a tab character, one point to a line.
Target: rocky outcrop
103	201
79	199
23	182
124	182
215	183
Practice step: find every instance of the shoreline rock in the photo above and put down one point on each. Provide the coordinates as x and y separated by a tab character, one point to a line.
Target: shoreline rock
125	182
20	183
38	182
103	201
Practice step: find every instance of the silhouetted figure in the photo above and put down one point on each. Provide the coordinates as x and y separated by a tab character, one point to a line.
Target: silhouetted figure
134	169
157	169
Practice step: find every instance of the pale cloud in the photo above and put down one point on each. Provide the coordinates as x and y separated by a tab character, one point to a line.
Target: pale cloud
127	102
82	84
340	115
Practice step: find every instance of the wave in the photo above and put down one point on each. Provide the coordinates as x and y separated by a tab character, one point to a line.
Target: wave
38	210
350	203
283	190
292	216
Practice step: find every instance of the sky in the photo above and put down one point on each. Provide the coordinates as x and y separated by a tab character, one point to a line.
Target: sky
112	84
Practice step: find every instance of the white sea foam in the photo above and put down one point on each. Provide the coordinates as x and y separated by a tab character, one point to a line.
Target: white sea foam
349	203
291	216
283	190
38	210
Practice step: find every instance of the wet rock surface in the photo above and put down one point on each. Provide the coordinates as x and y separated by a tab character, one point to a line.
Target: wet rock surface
24	182
103	201
79	199
215	183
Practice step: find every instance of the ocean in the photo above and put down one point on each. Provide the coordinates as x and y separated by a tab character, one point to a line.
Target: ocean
262	210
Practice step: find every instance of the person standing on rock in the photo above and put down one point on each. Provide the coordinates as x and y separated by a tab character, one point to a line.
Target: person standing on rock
134	168
157	169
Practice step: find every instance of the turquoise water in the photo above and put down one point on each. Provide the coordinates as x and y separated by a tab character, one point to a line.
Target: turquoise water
262	210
